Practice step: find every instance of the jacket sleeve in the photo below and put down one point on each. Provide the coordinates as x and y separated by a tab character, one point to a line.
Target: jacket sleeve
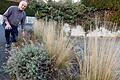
23	22
7	14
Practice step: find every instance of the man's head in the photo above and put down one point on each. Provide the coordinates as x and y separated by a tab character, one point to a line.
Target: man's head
22	5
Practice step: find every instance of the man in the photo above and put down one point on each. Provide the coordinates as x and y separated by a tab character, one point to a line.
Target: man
13	17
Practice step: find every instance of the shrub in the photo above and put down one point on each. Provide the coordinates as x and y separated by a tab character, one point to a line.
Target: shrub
29	63
59	47
56	42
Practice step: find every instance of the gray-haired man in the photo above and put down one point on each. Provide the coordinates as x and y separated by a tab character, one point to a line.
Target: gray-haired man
14	16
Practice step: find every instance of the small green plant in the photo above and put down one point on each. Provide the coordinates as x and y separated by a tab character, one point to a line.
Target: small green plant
29	63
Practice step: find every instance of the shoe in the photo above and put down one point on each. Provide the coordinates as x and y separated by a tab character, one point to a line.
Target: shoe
13	45
7	45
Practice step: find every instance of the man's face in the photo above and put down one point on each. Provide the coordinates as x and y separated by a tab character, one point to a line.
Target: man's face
22	5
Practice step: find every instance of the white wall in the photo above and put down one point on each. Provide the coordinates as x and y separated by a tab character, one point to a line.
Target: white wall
30	20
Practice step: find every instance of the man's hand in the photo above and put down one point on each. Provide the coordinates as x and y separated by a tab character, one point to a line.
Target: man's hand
8	26
23	33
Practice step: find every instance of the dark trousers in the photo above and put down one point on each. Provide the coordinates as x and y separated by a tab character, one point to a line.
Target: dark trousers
11	34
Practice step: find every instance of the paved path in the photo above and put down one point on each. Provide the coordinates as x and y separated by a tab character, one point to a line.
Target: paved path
3	55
